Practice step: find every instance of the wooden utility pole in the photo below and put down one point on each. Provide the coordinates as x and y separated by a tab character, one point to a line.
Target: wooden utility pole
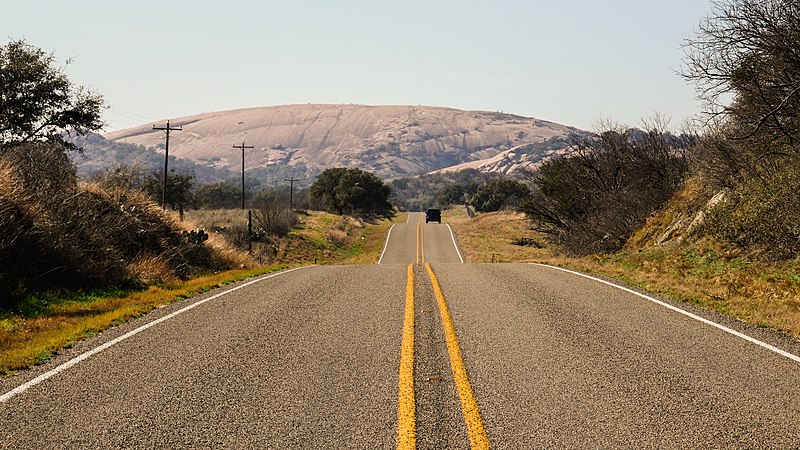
291	181
242	147
166	129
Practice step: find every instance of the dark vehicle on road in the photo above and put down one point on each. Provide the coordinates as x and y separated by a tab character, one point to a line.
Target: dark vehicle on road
433	215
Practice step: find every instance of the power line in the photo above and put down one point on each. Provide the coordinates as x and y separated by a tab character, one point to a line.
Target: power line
167	129
128	115
242	147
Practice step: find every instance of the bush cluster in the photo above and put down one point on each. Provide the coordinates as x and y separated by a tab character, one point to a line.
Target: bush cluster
352	191
593	199
57	232
761	214
744	64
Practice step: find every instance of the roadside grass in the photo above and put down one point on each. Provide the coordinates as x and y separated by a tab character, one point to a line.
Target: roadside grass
708	275
330	239
320	237
210	219
54	321
702	272
488	237
35	337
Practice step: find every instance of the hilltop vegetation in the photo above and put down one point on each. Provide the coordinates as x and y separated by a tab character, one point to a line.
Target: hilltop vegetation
99	155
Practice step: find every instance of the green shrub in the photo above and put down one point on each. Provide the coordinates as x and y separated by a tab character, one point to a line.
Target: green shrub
762	213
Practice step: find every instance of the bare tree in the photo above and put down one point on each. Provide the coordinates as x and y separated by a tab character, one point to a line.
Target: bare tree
750	50
593	199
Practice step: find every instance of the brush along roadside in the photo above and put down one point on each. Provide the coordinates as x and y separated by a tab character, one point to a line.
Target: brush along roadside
316	237
703	272
60	320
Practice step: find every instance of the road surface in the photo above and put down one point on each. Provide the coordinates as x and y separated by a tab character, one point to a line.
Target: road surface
507	355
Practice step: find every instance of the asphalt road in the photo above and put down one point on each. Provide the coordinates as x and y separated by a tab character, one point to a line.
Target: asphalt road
311	359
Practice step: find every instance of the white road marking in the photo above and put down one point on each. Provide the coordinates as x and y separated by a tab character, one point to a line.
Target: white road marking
753	340
452	236
386	244
24	387
408	219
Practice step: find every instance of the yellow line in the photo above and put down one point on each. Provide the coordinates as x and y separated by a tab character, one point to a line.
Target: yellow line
406	409
472	415
422	239
417	244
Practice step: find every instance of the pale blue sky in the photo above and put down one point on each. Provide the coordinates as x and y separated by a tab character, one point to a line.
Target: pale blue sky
568	61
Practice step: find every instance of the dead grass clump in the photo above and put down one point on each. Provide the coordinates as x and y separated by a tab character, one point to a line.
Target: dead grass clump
274	220
59	233
151	269
337	237
225	255
346	231
227	229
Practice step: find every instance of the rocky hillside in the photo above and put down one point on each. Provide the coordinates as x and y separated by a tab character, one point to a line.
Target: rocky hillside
391	141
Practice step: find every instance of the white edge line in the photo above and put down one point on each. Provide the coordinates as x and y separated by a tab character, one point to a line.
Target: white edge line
454	243
386	244
24	387
408	218
753	340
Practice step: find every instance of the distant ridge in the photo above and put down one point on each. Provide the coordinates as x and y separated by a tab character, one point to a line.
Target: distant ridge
391	141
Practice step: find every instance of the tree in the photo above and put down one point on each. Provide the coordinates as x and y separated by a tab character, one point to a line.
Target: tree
353	191
499	193
219	195
457	194
179	189
744	63
37	100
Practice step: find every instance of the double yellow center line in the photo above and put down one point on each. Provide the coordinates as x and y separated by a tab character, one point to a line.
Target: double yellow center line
472	415
406	406
420	242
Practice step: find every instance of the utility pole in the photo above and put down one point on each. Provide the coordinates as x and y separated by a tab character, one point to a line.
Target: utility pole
166	129
291	181
242	147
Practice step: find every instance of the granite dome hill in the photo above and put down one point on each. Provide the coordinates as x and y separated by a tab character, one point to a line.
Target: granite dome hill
391	141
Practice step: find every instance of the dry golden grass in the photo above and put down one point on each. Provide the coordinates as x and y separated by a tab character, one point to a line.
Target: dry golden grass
8	185
228	255
25	341
151	269
332	239
210	219
488	237
704	272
